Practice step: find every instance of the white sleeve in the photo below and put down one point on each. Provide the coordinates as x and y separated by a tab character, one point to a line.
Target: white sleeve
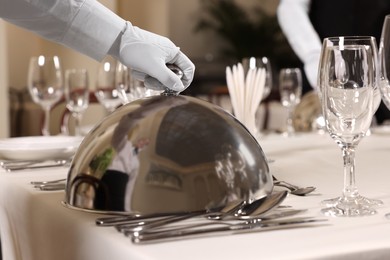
294	21
83	25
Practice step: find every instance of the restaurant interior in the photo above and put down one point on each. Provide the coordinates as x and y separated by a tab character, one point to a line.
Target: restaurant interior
248	162
177	20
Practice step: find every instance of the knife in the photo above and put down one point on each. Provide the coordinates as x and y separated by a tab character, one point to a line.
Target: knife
152	237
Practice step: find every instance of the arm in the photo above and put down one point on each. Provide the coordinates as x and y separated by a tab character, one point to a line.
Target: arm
92	29
304	40
83	25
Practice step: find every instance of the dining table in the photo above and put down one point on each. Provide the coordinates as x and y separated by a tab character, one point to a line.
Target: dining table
35	224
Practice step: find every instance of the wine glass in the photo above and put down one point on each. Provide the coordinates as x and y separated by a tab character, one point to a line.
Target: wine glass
348	78
128	87
106	92
371	42
44	82
384	62
290	89
77	94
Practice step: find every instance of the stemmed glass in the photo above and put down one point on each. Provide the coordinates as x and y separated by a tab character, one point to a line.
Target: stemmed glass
128	87
77	94
290	89
347	79
384	61
44	82
106	92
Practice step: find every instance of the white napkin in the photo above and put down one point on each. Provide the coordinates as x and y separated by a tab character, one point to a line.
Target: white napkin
246	92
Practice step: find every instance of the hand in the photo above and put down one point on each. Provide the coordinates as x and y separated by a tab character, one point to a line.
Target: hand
147	54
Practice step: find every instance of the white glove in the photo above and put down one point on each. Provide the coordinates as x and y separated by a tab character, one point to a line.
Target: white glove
147	54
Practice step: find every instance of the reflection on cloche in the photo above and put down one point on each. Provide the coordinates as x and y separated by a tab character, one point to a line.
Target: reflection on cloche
166	154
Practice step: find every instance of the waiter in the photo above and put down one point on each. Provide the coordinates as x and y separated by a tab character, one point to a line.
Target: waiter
92	29
307	22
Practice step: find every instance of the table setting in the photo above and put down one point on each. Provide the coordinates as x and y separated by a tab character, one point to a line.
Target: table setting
172	176
321	171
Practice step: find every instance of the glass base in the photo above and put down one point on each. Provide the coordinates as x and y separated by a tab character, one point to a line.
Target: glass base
359	199
349	207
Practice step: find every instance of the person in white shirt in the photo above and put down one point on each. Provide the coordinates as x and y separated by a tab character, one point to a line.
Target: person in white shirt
89	27
307	22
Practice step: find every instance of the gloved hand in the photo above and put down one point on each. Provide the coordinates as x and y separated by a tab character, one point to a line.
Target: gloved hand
147	54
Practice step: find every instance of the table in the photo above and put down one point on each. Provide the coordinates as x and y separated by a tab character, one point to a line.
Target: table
35	225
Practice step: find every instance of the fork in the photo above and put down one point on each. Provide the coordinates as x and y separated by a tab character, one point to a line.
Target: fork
47	182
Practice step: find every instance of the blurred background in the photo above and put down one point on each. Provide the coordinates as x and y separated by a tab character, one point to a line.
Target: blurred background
213	33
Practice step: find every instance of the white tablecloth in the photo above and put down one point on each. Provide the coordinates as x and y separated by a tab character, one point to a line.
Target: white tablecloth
35	225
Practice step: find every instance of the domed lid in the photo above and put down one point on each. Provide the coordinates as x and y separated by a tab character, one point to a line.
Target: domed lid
166	154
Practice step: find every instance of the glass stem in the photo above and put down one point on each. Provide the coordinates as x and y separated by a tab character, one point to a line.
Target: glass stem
290	127
350	189
46	122
77	117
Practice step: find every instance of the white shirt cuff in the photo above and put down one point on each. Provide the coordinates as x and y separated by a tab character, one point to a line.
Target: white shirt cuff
93	30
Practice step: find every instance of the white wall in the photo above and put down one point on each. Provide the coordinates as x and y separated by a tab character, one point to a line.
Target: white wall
4	106
151	15
23	44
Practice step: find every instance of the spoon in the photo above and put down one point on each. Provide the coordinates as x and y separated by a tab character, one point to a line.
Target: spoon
295	190
259	207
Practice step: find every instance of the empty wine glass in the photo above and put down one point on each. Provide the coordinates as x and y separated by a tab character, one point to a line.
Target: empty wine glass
384	61
44	82
128	87
77	94
290	89
347	81
106	92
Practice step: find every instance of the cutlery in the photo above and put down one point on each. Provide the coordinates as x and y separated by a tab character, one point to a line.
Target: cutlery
295	190
226	228
51	187
207	222
16	166
143	219
132	219
138	226
47	182
239	211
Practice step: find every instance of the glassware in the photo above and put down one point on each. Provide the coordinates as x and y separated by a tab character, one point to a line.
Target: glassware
290	89
128	87
384	62
348	78
77	94
44	82
106	92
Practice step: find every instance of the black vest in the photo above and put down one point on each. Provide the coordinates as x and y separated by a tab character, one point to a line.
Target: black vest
349	17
